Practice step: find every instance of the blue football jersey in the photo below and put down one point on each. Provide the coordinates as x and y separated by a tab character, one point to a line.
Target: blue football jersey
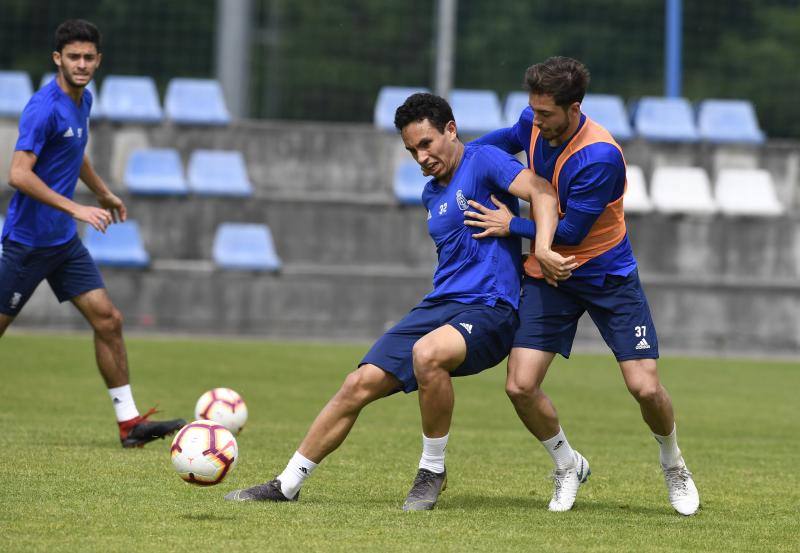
56	129
469	270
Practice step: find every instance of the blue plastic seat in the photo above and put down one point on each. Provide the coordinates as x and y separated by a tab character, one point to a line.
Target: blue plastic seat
409	183
728	121
609	111
665	120
120	246
515	103
218	173
155	171
476	111
389	99
97	109
245	247
130	99
15	91
196	102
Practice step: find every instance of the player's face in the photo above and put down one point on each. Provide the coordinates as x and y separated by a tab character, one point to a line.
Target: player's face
77	62
555	123
436	152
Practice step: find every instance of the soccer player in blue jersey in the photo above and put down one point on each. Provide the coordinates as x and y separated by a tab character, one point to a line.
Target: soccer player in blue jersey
587	170
40	239
463	326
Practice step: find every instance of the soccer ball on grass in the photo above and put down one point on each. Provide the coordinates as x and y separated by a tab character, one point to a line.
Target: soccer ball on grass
204	452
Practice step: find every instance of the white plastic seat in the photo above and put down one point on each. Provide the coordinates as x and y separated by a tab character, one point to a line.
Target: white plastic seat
682	190
636	198
747	192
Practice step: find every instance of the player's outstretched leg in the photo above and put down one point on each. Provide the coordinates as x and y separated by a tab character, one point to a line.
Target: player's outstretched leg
327	432
641	378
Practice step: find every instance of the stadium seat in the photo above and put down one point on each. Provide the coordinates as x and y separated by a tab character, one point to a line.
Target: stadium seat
476	111
409	183
609	111
747	192
218	173
728	121
196	102
678	190
636	198
155	171
665	119
15	91
389	99
97	109
130	99
120	246
513	106
245	247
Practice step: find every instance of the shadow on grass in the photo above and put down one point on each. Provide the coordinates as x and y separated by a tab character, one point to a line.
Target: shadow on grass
469	502
205	517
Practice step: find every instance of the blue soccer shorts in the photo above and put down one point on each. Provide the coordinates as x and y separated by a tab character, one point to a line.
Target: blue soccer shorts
549	316
487	330
68	268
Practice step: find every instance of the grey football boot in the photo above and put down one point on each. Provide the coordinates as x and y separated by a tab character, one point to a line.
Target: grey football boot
425	491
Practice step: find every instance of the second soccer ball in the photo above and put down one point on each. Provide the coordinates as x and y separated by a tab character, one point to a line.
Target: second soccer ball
224	406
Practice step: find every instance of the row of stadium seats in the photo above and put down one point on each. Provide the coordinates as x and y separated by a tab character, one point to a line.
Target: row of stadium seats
651	118
236	246
159	171
131	99
673	190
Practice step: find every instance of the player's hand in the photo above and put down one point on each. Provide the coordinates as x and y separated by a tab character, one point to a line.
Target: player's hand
495	222
97	217
555	267
115	207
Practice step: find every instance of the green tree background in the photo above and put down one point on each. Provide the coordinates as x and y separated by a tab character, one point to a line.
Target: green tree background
323	60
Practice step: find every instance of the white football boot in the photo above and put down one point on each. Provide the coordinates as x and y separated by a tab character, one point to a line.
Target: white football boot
683	493
567	482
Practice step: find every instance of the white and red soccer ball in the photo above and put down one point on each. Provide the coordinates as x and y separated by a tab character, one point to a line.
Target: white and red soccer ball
224	406
204	452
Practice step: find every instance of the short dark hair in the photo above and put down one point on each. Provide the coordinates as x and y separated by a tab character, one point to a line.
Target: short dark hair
76	30
421	106
565	79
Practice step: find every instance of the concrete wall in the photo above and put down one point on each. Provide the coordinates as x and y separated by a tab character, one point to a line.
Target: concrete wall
355	261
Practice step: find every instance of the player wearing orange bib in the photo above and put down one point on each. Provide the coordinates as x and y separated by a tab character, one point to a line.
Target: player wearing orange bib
587	169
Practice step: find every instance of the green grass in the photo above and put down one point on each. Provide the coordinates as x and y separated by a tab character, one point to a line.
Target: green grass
66	485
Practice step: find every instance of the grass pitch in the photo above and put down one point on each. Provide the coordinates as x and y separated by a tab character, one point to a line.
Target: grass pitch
66	485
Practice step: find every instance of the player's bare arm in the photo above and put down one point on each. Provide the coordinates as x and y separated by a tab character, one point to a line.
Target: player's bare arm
26	181
105	197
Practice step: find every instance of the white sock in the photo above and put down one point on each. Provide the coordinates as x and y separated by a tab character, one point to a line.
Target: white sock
433	453
124	406
297	470
670	455
559	449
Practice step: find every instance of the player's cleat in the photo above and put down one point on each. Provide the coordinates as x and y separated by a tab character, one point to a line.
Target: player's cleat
425	490
139	431
271	491
683	493
567	482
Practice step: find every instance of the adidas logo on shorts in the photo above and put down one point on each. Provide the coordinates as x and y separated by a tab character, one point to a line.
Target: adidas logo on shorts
642	344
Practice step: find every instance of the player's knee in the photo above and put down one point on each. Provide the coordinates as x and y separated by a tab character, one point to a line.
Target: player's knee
109	323
645	390
519	390
356	390
428	360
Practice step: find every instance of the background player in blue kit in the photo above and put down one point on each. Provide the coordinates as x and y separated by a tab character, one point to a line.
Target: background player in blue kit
587	170
40	239
463	326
